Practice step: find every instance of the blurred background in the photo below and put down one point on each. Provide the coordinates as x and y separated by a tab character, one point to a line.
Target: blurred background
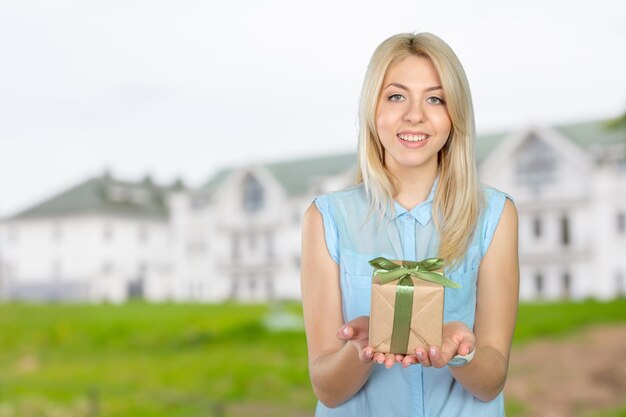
156	159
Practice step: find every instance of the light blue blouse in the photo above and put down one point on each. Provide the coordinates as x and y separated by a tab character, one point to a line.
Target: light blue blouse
353	239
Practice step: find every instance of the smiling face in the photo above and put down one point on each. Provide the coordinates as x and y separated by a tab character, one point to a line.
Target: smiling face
411	116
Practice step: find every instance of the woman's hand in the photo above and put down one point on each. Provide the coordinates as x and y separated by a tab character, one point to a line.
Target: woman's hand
457	339
356	332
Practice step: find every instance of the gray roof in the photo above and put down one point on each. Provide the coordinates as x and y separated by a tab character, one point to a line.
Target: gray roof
296	176
105	195
597	133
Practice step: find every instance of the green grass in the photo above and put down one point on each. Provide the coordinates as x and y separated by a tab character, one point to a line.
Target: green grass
560	319
149	360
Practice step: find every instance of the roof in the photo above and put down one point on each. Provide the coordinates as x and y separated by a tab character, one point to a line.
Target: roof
296	176
105	195
596	133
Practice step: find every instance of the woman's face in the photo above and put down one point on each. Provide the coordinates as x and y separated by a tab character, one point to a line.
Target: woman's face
411	115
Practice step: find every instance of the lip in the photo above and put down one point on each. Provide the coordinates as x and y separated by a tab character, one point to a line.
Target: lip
413	145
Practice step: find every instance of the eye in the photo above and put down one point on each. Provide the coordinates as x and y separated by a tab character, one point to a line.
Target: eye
435	100
396	98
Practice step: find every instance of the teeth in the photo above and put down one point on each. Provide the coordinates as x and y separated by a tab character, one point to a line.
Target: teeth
413	138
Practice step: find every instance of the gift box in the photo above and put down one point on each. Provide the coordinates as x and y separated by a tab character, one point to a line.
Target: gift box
407	304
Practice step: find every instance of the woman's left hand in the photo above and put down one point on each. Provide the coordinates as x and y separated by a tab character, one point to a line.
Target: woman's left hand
457	339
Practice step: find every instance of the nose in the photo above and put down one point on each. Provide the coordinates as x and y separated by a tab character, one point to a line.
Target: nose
414	112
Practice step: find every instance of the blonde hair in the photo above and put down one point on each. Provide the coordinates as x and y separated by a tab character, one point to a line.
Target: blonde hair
458	199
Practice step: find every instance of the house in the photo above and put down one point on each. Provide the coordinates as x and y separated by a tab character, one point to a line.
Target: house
569	186
237	237
97	241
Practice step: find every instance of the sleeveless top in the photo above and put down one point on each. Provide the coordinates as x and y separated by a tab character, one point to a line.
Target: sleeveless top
352	239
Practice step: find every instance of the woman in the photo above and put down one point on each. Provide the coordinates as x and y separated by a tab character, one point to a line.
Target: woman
417	196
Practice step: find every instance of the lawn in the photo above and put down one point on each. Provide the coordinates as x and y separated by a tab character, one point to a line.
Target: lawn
179	360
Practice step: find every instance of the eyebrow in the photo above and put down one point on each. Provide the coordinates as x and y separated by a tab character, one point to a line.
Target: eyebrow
404	87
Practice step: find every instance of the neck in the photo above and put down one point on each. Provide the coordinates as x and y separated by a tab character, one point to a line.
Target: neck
413	186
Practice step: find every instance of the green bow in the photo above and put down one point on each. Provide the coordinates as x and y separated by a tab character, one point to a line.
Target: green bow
388	271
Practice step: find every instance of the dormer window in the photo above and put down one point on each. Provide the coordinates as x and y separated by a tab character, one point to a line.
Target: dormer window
252	194
134	195
536	164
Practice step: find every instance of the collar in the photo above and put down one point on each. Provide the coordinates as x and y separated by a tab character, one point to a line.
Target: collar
423	212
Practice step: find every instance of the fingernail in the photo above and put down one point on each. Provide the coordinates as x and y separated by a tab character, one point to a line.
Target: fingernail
420	355
433	351
345	330
380	361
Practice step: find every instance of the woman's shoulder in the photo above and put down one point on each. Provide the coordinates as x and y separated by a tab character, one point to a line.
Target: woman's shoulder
493	195
494	206
354	194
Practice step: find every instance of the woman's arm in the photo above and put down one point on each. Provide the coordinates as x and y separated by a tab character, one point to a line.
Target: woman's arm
496	310
337	368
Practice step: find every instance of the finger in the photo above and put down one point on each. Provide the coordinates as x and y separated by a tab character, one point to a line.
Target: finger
444	358
360	327
390	359
436	357
409	360
379	357
465	348
345	332
399	358
422	357
368	354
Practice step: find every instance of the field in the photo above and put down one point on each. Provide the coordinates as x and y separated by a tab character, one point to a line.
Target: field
190	360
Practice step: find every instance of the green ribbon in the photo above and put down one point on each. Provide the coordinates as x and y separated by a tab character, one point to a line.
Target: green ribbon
388	271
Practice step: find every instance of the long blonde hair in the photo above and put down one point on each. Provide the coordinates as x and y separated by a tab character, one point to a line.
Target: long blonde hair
458	199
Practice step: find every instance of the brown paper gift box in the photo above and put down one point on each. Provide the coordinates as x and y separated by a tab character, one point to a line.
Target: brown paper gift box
426	319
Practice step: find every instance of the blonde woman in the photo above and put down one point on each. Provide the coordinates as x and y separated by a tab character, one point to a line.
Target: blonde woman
417	196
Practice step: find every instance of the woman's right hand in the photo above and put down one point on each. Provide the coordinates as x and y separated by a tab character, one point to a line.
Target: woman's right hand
356	332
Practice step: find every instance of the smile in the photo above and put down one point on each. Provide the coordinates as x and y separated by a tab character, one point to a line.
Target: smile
413	138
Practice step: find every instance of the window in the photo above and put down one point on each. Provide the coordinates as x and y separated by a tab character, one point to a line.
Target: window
565	232
539	285
234	286
536	164
269	240
56	270
107	232
620	284
57	233
252	284
566	285
621	222
252	241
537	227
142	234
13	235
269	287
252	194
195	247
235	246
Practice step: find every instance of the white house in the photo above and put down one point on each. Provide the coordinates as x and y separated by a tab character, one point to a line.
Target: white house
237	237
569	186
98	241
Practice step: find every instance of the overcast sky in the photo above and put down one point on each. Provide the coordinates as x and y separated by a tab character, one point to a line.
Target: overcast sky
183	88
